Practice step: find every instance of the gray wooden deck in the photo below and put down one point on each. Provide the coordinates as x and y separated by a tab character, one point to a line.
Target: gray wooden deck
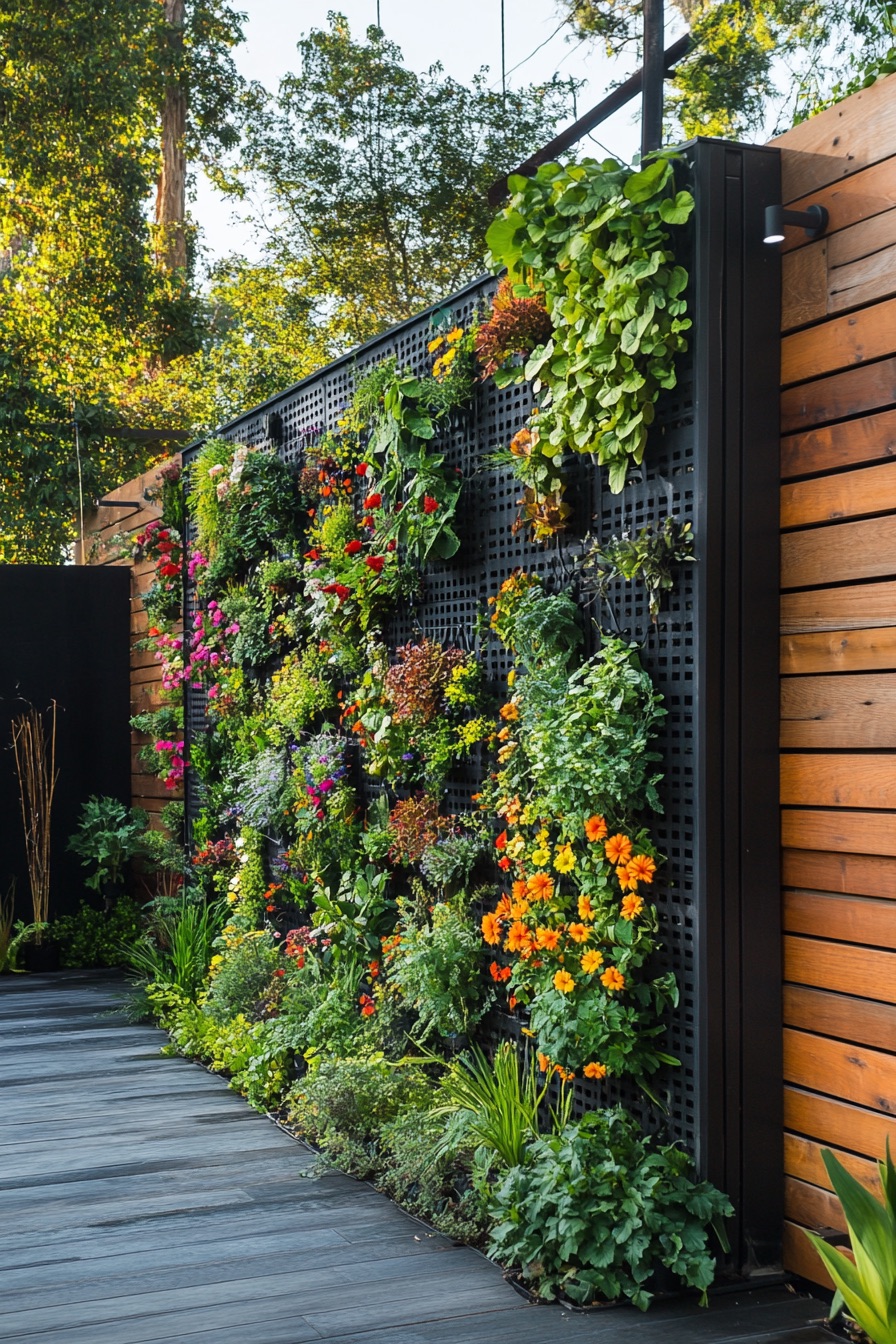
141	1200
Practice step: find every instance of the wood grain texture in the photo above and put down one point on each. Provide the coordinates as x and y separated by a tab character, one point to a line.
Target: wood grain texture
837	1123
839	343
804	285
863	972
854	1073
855	874
145	1202
840	1016
845	651
810	1206
854	833
839	553
849	919
856	132
803	1160
846	711
864	195
801	1258
853	607
870	387
871	234
862	281
869	439
844	780
848	494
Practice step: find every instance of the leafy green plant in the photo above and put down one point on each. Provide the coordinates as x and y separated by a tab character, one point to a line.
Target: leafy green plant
109	835
439	1187
594	239
241	982
498	1103
435	967
178	950
594	1209
94	937
866	1285
652	556
20	933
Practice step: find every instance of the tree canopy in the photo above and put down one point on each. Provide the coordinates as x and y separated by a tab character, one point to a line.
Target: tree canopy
756	64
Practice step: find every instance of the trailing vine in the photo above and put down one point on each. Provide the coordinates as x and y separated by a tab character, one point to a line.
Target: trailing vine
651	556
595	240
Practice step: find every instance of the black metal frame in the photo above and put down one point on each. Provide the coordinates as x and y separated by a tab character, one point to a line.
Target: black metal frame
712	459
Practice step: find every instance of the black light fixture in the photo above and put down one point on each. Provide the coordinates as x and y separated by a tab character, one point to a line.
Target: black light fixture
814	219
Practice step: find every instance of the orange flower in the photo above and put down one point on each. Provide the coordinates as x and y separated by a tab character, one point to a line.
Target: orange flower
586	909
519	890
547	938
512	811
518	909
595	828
595	1070
501	842
592	960
564	982
624	878
618	849
641	868
612	979
518	937
540	887
504	864
504	907
565	1075
579	933
368	1007
374	969
632	906
512	1002
499	973
544	1063
491	929
509	712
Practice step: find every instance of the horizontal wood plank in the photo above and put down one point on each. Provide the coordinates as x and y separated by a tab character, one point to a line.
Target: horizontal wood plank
804	285
853	710
847	494
856	874
858	131
839	1015
850	919
800	1257
803	1161
839	343
838	1124
865	238
871	438
851	1072
852	607
863	972
863	281
810	1206
839	553
852	833
870	387
844	780
839	651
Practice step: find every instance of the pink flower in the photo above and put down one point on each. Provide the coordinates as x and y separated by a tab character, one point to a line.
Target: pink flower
212	692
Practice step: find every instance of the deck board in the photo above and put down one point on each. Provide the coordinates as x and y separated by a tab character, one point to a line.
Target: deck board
143	1201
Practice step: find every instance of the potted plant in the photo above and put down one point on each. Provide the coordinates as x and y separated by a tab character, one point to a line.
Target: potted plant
109	835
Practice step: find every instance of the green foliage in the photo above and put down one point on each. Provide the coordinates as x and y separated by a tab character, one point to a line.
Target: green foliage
378	176
435	968
177	951
498	1103
241	983
109	835
13	938
595	239
866	1288
94	937
593	1209
652	556
435	1186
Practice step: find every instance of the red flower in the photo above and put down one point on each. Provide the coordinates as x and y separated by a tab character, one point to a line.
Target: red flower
367	522
368	1007
313	554
391	545
168	571
279	972
429	504
339	589
352	547
373	501
501	841
361	469
504	864
375	562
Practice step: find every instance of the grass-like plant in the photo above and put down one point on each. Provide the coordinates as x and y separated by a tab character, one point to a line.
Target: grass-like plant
180	949
866	1287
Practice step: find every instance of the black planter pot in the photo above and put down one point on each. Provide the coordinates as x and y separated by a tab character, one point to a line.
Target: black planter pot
40	958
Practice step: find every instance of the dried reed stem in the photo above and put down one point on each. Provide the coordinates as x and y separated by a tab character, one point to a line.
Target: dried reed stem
35	753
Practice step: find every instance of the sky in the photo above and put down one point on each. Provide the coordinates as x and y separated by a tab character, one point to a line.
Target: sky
462	34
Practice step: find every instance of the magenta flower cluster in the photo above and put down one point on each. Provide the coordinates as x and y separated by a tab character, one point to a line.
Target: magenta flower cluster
176	762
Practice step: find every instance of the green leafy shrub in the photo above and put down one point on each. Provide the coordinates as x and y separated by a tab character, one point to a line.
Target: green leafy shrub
435	967
434	1185
109	835
177	951
241	982
96	937
595	1209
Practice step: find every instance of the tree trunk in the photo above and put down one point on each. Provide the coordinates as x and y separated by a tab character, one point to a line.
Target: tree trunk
171	197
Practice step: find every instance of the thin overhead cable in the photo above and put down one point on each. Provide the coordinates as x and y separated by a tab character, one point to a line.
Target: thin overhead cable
548	39
503	54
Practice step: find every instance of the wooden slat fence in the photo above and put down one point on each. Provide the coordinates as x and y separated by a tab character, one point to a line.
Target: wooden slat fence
104	527
838	657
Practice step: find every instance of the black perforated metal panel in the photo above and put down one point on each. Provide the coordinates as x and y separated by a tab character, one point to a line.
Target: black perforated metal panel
679	478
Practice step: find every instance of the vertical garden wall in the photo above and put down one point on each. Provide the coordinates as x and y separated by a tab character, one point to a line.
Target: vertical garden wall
711	463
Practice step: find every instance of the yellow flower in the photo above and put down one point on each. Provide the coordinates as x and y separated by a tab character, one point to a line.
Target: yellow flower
592	960
435	343
579	933
540	857
564	982
586	909
511	676
632	906
564	859
454	334
612	980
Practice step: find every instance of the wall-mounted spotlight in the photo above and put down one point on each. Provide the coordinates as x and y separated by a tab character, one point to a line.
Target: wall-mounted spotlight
814	219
